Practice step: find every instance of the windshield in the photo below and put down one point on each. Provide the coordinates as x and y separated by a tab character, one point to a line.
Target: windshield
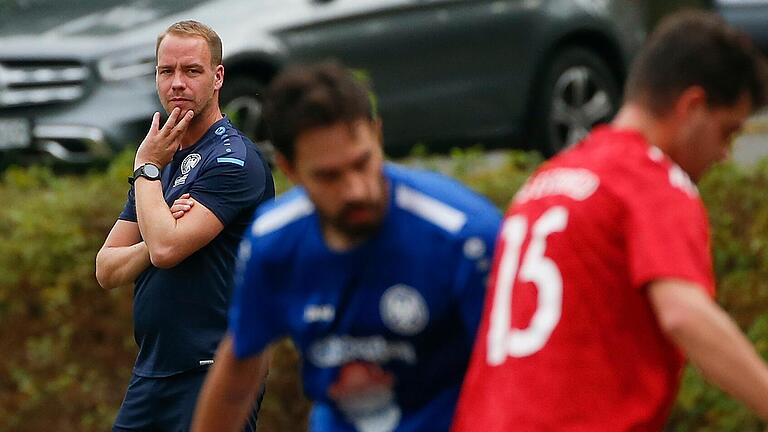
93	17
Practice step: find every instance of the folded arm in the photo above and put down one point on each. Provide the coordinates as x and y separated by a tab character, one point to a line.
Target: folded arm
168	239
712	341
122	257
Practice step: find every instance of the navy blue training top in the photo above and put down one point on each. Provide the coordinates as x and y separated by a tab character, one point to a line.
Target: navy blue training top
180	314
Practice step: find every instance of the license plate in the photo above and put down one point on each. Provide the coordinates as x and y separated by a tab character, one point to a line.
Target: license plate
14	133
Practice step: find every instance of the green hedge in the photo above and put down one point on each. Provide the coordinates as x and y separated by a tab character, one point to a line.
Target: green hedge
738	211
67	344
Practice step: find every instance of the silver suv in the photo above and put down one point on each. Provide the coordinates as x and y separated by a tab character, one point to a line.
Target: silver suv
77	83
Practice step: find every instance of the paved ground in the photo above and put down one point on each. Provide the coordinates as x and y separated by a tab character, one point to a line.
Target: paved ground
753	144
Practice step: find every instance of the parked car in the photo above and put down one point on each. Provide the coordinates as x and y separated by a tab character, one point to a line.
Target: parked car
750	16
77	83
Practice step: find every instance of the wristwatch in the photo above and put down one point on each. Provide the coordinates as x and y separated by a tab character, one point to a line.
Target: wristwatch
149	171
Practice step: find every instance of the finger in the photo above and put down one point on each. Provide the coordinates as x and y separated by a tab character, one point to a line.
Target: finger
155	121
182	125
180	207
172	120
178	214
185	196
154	126
186	202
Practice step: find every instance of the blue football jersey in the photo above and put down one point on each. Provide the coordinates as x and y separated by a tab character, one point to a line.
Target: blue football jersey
386	329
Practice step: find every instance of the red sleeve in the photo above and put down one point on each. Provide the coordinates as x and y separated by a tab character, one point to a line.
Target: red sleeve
668	231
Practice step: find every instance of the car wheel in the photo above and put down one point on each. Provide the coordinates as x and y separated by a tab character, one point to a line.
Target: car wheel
241	100
577	92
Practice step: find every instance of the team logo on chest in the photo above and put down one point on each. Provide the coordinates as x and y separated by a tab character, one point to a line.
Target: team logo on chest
403	310
187	164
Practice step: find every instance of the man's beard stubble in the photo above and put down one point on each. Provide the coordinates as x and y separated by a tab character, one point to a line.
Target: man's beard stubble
362	230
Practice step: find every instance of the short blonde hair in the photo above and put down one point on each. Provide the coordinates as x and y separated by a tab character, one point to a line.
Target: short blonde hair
192	28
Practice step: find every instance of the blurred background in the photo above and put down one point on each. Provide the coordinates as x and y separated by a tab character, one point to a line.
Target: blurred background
483	90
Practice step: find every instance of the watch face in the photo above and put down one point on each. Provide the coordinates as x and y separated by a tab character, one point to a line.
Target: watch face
151	171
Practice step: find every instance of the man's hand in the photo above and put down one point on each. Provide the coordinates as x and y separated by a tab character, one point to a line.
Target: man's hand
159	145
181	206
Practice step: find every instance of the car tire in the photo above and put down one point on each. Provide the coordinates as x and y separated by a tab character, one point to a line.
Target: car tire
577	91
241	100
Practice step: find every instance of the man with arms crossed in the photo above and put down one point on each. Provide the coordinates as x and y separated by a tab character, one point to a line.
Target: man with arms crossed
181	255
602	281
376	272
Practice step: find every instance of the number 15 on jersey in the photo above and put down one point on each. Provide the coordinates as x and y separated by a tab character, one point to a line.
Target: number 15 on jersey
535	267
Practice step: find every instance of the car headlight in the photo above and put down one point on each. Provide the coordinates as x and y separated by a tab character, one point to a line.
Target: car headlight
127	65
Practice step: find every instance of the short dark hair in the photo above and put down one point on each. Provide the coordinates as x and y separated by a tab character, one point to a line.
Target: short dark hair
696	48
304	97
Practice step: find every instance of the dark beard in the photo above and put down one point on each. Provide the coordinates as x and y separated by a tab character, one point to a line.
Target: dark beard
357	231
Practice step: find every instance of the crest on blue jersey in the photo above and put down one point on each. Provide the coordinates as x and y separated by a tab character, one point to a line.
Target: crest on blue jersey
474	248
220	130
403	310
189	162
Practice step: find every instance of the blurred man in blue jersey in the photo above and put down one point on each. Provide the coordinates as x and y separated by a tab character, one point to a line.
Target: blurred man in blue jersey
377	272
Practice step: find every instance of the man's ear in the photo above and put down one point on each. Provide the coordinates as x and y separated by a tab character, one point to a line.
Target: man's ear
218	77
690	101
286	166
377	128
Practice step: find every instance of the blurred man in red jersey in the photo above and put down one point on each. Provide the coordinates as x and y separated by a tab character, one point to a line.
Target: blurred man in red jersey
602	282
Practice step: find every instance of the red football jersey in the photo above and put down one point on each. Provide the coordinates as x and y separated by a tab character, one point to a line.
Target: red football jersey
568	339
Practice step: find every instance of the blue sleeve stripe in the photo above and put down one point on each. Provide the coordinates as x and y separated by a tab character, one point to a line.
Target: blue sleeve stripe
230	160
